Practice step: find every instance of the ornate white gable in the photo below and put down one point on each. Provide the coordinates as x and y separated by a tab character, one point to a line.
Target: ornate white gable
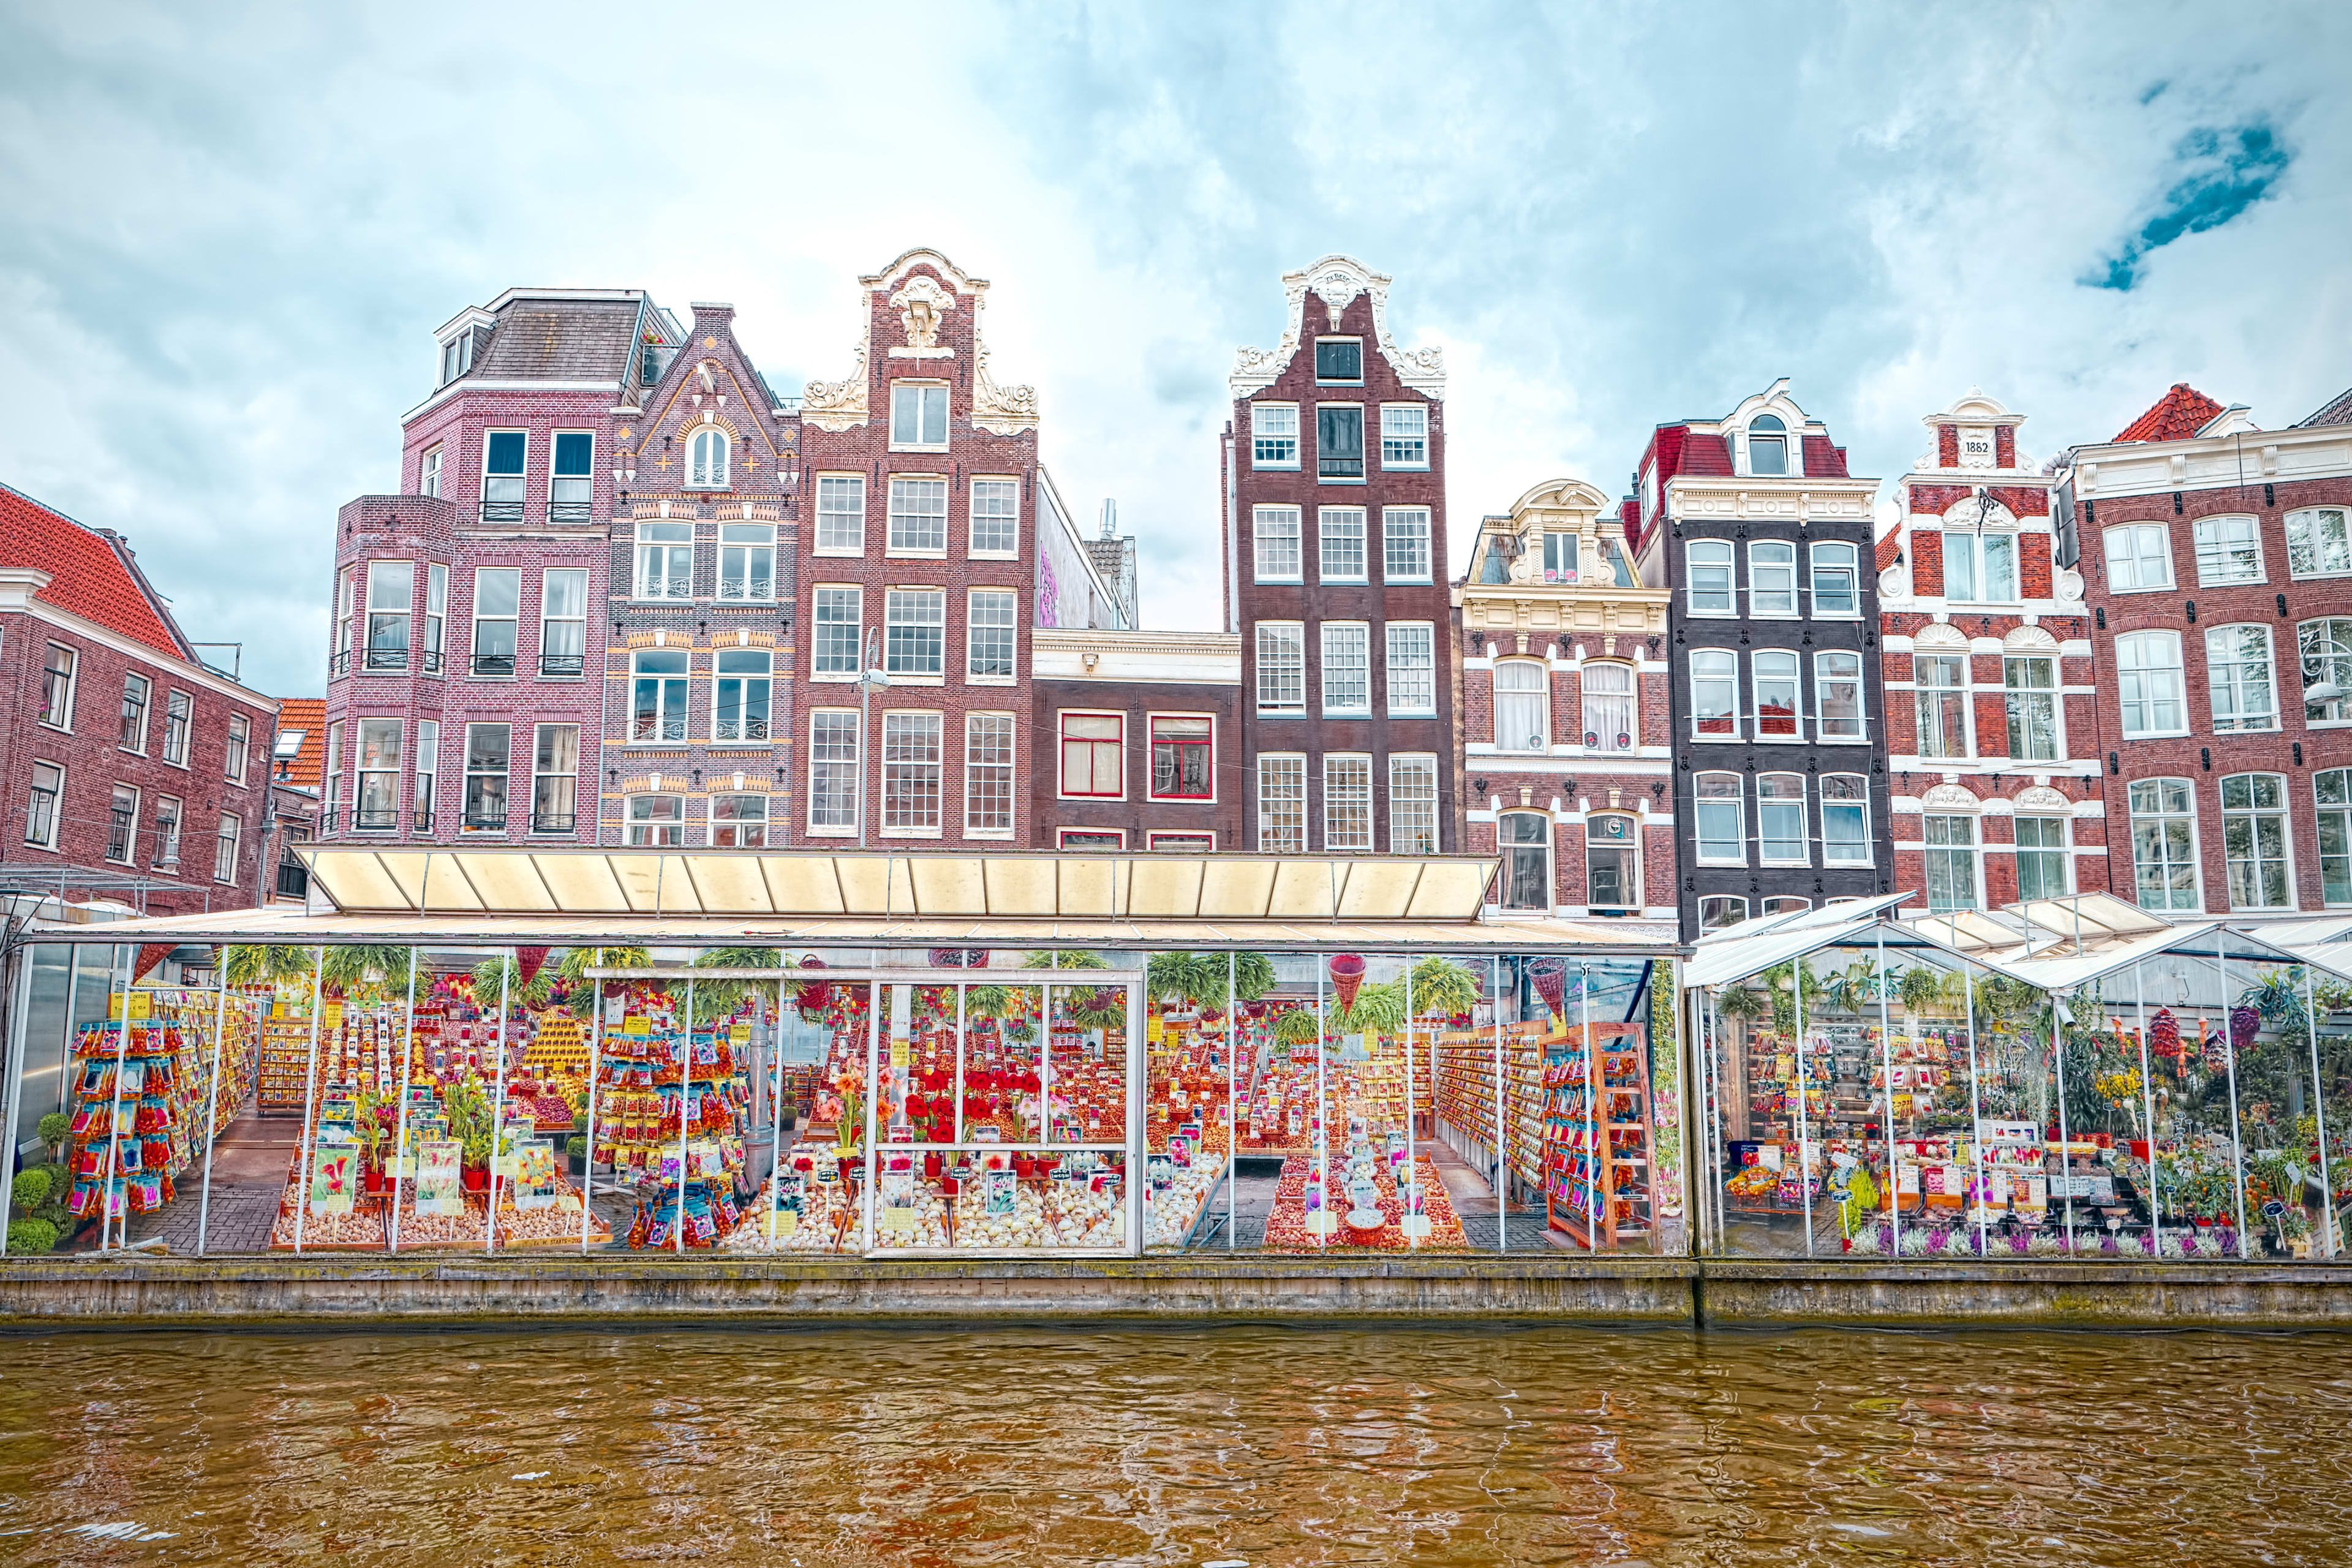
1336	280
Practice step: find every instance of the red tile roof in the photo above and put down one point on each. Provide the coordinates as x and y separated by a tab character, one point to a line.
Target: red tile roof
1823	460
90	574
2178	415
1890	546
307	714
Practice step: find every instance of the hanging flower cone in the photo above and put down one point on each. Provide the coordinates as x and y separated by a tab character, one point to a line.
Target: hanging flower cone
1347	977
2164	1035
1551	984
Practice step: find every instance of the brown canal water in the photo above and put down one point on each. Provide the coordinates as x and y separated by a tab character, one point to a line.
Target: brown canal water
1264	1447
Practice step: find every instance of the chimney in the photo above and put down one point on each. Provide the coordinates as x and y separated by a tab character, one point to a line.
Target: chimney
1109	518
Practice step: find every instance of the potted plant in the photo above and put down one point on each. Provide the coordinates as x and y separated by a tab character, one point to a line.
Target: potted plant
52	1130
576	1146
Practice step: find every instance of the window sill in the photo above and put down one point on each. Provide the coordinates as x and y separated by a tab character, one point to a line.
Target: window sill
739	745
1405	467
992	680
2307	723
1412	712
907	833
2315	576
1342	582
61	729
989	832
1182	799
1347	712
1706	860
933	447
833	677
2159	588
1013	554
132	752
2156	735
1716	739
169	763
914	553
840	552
833	833
644	602
1339	480
1405	582
1699	614
1264	582
1274	468
1118	798
2236	583
898	680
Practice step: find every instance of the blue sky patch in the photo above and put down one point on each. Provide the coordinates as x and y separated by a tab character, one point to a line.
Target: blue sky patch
2229	171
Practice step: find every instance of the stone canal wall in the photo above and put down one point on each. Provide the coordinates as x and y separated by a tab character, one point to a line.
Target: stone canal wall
277	1293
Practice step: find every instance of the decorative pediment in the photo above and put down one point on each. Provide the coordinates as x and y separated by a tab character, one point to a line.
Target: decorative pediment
838	405
921	305
1949	798
1001	410
2042	797
1935	635
1336	280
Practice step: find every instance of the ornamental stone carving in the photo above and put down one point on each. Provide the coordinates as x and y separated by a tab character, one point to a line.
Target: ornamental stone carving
1336	280
922	304
836	406
1001	410
2043	798
1949	798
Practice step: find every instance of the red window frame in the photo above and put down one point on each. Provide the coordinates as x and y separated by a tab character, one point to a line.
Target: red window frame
1194	841
1206	744
1094	747
1062	836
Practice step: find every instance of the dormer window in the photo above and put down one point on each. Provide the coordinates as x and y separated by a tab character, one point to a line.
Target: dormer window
1768	445
457	357
1339	360
1560	558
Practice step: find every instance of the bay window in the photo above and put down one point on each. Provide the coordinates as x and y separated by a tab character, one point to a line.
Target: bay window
485	778
498	593
378	802
389	585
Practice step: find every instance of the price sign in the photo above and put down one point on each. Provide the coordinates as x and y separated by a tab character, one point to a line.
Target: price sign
898	1220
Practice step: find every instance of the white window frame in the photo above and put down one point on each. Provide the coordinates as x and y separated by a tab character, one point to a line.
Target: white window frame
993	611
1823	559
57	715
2330	660
428	472
1779	805
1790	467
131	734
2131	550
1795	678
1282	817
1404	436
829	727
1852	796
2331	803
1707	849
1281	667
1510	700
1346	656
114	808
388	762
666	684
1976	548
1406	555
745	829
703	443
1723	670
899	533
548	775
990	746
909	727
436	615
644	827
744	676
469	772
1340	531
179	725
1757	569
513	619
1732	904
2219	539
1939	693
1003	542
231	836
655	545
2064	852
1953	854
235	753
841	525
1271	446
569	489
1598	740
915	611
2014	696
1342	772
743	544
1278	555
2232	679
2338	550
920	399
1412	654
171	810
2162	816
385	606
2281	813
1824	685
2133	693
1412	803
1727	565
423	786
555	586
823	645
1630	849
1363	462
1508	850
1316	362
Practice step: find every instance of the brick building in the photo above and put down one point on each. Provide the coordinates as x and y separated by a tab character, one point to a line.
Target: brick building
1991	710
2217	564
1146	731
1334	469
935	544
134	770
1566	713
697	725
464	692
1780	799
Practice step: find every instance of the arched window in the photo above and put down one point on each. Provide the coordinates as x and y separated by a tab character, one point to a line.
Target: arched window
1787	905
1722	838
1716	913
1527	860
1780	818
707	460
1613	877
1522	709
1608	707
1776	697
1768	445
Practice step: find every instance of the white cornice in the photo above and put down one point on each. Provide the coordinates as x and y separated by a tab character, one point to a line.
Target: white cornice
474	383
132	648
2209	462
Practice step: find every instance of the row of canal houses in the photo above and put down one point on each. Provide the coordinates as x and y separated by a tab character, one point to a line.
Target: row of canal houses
627	593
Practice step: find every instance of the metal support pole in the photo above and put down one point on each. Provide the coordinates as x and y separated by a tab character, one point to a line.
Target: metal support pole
1502	1145
1804	1126
305	1150
873	997
595	1080
1138	1155
1232	1080
1597	1147
212	1109
2230	1055
1887	1066
1412	1155
499	1106
2065	1139
775	1114
114	1114
400	1086
685	1094
1975	1111
1320	1139
2319	1110
2147	1106
20	1024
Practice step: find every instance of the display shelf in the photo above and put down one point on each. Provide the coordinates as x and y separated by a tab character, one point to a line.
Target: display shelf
1465	1092
1598	1136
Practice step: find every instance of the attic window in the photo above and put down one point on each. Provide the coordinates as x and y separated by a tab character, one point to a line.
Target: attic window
1768	445
457	357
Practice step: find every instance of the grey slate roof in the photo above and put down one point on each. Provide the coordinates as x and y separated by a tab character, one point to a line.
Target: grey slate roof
2338	411
560	340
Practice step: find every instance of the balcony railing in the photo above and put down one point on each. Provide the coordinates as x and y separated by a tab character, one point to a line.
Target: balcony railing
665	588
562	663
420	822
1340	468
371	819
739	730
485	822
758	590
494	664
432	661
339	664
502	511
327	822
656	728
552	821
569	511
387	657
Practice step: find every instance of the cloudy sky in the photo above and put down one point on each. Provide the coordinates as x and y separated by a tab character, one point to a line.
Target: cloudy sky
229	231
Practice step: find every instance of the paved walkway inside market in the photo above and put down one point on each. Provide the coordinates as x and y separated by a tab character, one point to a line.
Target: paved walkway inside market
1520	1231
249	1166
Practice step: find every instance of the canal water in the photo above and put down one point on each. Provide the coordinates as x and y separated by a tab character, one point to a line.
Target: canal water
1257	1446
